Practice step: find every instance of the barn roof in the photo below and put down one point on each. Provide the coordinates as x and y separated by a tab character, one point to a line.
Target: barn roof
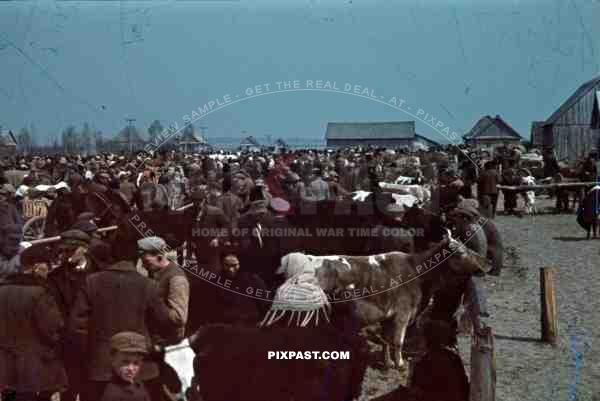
481	129
371	130
574	98
596	111
430	142
7	138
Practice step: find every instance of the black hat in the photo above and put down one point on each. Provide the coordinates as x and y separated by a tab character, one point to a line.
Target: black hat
74	238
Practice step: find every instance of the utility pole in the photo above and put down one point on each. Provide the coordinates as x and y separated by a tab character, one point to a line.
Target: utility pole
130	127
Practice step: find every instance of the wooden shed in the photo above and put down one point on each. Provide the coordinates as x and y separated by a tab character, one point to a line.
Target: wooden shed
570	130
8	143
390	134
492	132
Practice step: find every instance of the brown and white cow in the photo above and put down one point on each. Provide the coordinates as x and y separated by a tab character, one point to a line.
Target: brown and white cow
391	288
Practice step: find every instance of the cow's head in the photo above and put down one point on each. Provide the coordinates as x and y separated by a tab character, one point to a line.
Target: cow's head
463	261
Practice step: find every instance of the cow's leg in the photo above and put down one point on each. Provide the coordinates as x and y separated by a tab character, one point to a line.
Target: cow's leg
388	336
400	326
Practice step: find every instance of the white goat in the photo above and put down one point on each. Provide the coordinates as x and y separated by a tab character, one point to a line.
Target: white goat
529	196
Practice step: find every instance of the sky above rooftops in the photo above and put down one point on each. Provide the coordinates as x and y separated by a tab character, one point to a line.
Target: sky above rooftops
70	62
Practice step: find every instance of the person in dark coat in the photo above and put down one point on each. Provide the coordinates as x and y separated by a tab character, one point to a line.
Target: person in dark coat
209	230
510	177
30	363
113	300
127	352
10	238
64	283
487	190
440	374
246	300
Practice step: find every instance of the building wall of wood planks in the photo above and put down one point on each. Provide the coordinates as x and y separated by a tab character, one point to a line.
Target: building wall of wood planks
572	132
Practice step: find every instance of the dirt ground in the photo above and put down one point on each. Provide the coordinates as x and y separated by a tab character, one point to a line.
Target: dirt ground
526	368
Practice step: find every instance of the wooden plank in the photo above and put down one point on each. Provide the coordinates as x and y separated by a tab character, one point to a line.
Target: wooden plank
483	367
547	186
548	310
100	230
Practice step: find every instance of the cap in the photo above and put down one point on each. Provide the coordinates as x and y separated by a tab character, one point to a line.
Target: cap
35	254
86	226
74	238
151	244
129	341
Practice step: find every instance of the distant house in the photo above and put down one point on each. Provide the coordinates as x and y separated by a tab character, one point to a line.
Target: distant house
250	144
570	130
8	143
128	140
491	132
393	134
281	145
191	142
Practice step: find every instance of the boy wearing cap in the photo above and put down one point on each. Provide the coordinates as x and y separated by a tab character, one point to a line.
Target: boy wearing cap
127	352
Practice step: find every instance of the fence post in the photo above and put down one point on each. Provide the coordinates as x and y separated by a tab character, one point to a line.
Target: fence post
483	366
548	306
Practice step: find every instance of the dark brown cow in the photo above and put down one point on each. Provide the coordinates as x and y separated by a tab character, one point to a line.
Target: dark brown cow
225	353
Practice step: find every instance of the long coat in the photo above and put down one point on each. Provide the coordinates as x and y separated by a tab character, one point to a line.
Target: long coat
29	336
114	300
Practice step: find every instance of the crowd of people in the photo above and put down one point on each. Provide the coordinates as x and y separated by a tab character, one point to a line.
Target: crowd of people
81	322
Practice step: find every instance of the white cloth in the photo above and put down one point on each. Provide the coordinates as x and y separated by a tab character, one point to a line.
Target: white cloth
181	358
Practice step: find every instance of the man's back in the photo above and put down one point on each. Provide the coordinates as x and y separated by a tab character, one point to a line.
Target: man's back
114	300
488	181
319	189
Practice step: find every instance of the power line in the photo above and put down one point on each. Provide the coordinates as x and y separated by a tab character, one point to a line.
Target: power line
47	74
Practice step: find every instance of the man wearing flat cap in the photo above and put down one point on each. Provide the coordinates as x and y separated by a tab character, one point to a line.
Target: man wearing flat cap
210	229
64	283
173	285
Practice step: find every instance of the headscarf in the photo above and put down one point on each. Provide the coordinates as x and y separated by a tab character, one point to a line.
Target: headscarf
300	293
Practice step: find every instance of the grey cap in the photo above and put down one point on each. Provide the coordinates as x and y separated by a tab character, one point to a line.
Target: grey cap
152	244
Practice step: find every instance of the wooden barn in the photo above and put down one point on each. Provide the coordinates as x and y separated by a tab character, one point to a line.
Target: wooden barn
8	143
393	134
570	130
492	132
596	112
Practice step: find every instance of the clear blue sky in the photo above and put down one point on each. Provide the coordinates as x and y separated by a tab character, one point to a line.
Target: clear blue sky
69	62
